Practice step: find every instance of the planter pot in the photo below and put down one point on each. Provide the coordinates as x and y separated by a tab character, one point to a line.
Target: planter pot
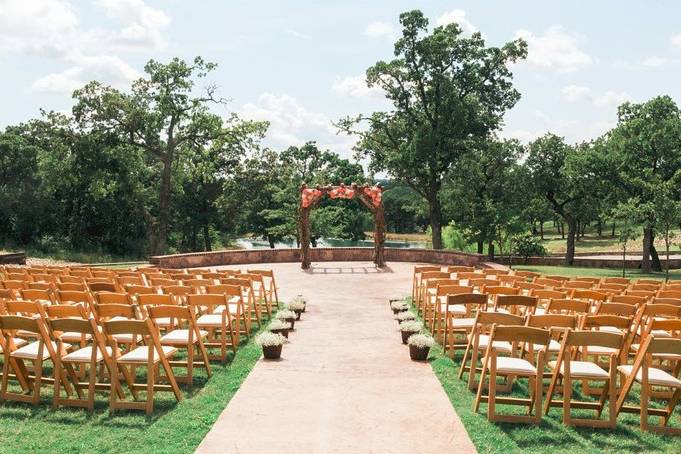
304	307
292	321
418	354
272	352
406	334
397	311
298	314
283	332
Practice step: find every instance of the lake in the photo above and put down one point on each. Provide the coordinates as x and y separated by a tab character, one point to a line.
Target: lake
255	243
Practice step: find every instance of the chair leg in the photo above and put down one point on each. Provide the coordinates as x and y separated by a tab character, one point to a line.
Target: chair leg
37	381
57	383
190	364
92	385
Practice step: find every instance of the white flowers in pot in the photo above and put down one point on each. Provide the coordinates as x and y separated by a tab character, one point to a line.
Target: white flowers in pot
271	344
279	327
297	305
399	306
411	326
287	315
419	346
404	316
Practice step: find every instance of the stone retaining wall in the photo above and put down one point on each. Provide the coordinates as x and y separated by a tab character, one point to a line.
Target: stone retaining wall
13	258
345	254
585	262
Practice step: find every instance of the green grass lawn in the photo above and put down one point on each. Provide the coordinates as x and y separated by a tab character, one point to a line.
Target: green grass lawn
572	271
549	436
173	427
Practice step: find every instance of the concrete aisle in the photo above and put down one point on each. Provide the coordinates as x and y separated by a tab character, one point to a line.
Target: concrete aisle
345	383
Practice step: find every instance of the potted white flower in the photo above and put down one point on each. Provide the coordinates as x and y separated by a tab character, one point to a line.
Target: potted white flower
408	328
404	316
419	346
398	306
288	316
279	327
299	297
296	305
271	344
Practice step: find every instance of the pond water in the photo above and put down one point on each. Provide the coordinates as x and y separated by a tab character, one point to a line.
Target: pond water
255	243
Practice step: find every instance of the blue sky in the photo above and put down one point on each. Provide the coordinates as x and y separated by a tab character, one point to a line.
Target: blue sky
300	64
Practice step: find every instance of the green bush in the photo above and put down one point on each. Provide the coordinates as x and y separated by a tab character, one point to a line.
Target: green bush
527	245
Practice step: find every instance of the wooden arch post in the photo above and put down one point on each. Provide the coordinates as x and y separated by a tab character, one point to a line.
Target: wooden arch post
370	196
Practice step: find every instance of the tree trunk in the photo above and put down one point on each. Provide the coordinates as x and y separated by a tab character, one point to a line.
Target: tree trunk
534	228
624	260
490	251
541	230
435	212
579	229
562	230
655	258
206	236
613	229
572	230
481	247
599	228
646	265
164	205
666	263
270	240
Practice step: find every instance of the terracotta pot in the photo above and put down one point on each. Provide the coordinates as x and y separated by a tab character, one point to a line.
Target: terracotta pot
298	312
406	334
418	354
292	321
272	351
282	331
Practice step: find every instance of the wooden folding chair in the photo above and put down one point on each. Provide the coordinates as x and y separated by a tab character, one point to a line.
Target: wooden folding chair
544	296
578	285
95	355
222	328
515	304
557	324
648	377
460	319
421	294
44	296
675	294
43	349
512	366
569	370
101	285
526	288
270	285
416	280
568	306
617	280
252	308
440	305
237	306
190	338
150	355
75	297
530	275
478	340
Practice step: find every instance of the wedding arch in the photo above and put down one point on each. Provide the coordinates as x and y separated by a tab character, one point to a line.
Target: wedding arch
370	196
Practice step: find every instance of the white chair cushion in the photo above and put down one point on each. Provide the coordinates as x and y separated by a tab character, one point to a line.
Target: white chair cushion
74	337
141	354
656	377
554	347
84	354
180	337
30	351
126	338
462	323
18	343
598	350
519	366
671	356
163	321
456	309
610	329
210	320
483	342
583	369
233	308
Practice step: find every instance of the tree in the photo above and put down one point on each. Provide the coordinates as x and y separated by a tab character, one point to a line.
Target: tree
627	216
160	115
646	144
668	215
448	91
564	176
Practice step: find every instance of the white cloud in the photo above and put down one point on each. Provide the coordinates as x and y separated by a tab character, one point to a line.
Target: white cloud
555	49
293	124
297	34
458	16
659	62
575	93
143	25
676	41
102	67
355	87
380	30
522	135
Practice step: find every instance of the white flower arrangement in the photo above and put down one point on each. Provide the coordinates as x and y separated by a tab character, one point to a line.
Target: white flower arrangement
268	339
411	326
296	304
399	306
278	324
421	340
404	316
286	314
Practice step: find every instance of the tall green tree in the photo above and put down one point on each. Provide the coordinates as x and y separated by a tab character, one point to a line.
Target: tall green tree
448	93
159	115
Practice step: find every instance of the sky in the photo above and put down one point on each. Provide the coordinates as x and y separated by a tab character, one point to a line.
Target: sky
301	64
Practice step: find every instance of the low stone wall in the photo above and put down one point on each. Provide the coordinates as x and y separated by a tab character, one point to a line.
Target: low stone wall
13	258
345	254
584	262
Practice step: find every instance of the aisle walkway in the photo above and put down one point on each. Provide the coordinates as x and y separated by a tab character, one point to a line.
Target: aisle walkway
345	383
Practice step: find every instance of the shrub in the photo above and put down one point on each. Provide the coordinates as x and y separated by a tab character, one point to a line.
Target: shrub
527	245
411	326
268	339
286	314
421	341
403	316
